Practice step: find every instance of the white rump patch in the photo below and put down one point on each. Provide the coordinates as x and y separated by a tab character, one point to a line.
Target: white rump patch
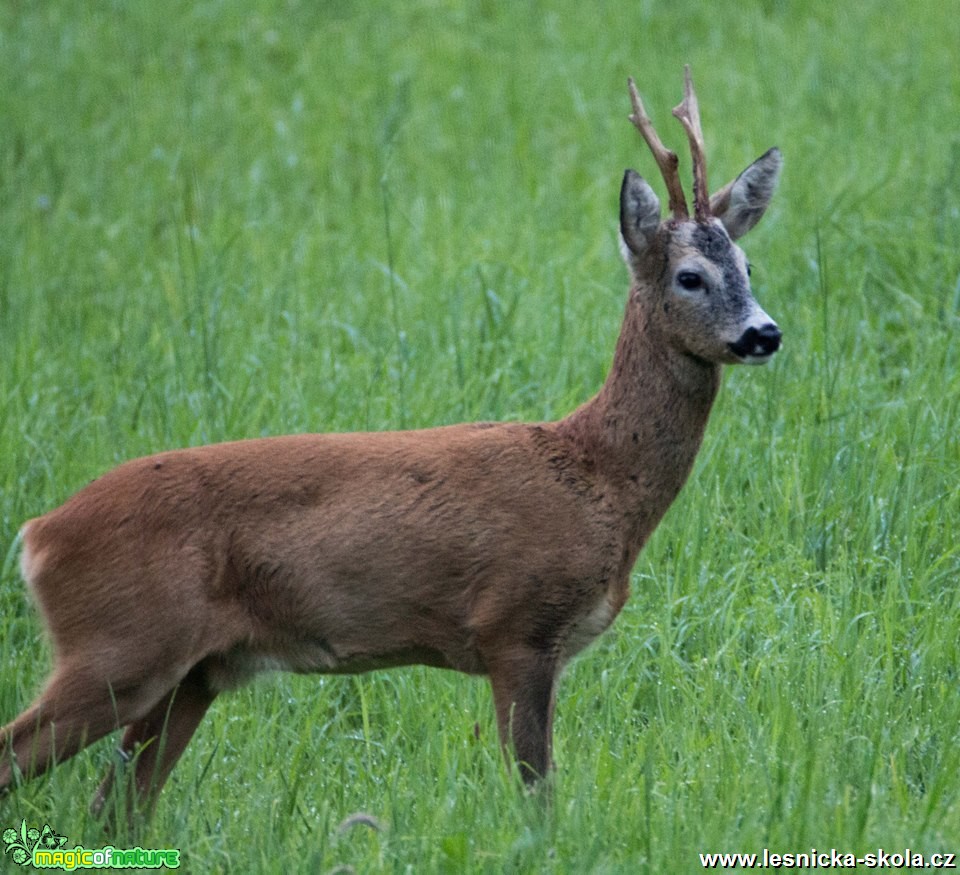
29	561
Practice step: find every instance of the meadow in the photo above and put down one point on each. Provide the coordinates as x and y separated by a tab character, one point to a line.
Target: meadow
225	220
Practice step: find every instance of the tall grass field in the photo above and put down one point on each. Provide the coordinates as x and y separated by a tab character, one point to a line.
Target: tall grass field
222	220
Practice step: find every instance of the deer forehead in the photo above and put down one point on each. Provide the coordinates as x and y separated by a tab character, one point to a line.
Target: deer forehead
707	246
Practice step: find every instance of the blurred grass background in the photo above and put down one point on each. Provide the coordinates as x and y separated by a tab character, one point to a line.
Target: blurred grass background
227	220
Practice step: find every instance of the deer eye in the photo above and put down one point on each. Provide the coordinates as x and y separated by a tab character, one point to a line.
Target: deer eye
690	280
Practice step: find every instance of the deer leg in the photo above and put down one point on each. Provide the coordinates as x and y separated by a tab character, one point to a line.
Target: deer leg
73	711
523	695
156	741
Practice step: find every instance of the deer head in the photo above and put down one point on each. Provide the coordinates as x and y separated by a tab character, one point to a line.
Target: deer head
691	276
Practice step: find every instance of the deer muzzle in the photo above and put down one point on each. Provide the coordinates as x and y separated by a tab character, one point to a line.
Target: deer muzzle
757	344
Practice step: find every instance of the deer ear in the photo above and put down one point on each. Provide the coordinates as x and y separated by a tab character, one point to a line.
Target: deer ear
741	204
639	213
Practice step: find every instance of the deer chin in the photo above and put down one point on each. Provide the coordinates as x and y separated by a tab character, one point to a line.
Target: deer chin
754	359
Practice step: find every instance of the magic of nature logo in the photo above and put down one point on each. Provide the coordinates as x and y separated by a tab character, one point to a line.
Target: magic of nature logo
44	849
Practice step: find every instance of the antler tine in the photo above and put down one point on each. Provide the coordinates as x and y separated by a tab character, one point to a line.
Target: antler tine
688	113
666	160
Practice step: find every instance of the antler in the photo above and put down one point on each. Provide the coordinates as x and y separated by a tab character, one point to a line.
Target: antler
666	160
688	113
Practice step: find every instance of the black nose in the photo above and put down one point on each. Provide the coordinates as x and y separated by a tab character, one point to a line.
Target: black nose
758	342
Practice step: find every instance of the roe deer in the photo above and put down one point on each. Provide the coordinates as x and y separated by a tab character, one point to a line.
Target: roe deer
490	548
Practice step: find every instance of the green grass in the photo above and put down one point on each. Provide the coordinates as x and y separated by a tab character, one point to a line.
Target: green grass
230	220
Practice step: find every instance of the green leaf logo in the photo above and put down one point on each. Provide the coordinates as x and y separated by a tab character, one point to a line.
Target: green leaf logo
21	843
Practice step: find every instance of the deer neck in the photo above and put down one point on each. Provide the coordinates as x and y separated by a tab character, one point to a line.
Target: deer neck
641	432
